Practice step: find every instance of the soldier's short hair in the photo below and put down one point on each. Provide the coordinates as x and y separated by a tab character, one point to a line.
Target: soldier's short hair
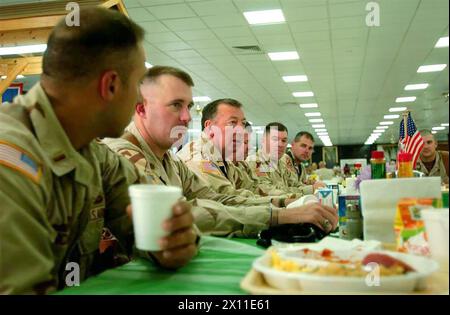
155	72
303	133
277	125
427	132
103	40
210	110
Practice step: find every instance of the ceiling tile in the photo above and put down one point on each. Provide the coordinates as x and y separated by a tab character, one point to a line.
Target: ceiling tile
173	11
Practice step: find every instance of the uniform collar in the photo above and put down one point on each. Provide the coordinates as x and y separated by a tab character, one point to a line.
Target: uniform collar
62	156
155	164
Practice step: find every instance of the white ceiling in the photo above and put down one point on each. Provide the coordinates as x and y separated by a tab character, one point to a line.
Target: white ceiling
356	72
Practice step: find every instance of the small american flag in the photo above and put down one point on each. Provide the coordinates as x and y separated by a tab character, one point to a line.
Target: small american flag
413	142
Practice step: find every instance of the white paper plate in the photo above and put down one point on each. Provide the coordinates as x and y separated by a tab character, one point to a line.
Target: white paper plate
339	284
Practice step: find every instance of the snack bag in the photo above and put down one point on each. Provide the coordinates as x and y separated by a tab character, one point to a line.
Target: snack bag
409	227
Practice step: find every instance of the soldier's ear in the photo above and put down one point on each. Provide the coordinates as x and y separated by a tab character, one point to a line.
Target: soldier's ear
108	85
141	110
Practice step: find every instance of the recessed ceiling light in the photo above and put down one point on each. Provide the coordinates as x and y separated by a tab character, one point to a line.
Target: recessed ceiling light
320	130
303	94
391	116
444	125
379	130
442	42
397	109
384	123
314	114
438	128
433	131
382	127
322	133
420	86
264	17
405	99
201	99
295	78
310	105
284	55
316	120
148	65
20	76
431	68
319	126
19	50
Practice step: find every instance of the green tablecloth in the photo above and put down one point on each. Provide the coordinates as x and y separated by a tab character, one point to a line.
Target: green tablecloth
218	269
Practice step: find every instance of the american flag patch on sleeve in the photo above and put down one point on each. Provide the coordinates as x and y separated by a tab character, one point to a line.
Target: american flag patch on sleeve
208	167
16	158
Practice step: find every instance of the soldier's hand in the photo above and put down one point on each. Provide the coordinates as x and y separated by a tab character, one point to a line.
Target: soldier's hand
289	200
319	184
322	216
179	247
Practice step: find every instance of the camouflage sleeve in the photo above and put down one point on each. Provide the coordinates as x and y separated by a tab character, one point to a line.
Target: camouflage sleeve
118	173
26	236
213	218
195	187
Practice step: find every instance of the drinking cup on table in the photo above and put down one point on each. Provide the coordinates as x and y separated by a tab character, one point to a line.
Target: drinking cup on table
151	206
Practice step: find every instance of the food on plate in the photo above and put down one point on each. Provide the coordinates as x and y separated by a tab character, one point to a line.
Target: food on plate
328	263
387	261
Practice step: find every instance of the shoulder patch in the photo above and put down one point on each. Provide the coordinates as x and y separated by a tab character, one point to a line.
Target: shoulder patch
209	168
20	160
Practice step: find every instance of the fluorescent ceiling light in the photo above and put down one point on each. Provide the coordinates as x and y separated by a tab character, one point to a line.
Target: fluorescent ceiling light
405	99
391	116
148	65
431	68
322	133
384	123
303	94
264	17
18	50
382	127
309	105
316	120
397	109
319	126
284	55
442	42
420	86
320	130
314	114
444	125
201	99
438	128
433	131
295	78
3	77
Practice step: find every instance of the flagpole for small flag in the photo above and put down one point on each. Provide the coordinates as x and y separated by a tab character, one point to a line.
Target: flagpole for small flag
405	122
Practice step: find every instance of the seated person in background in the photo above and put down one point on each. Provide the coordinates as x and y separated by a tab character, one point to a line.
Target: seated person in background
323	172
432	162
267	162
209	158
246	178
301	150
58	186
